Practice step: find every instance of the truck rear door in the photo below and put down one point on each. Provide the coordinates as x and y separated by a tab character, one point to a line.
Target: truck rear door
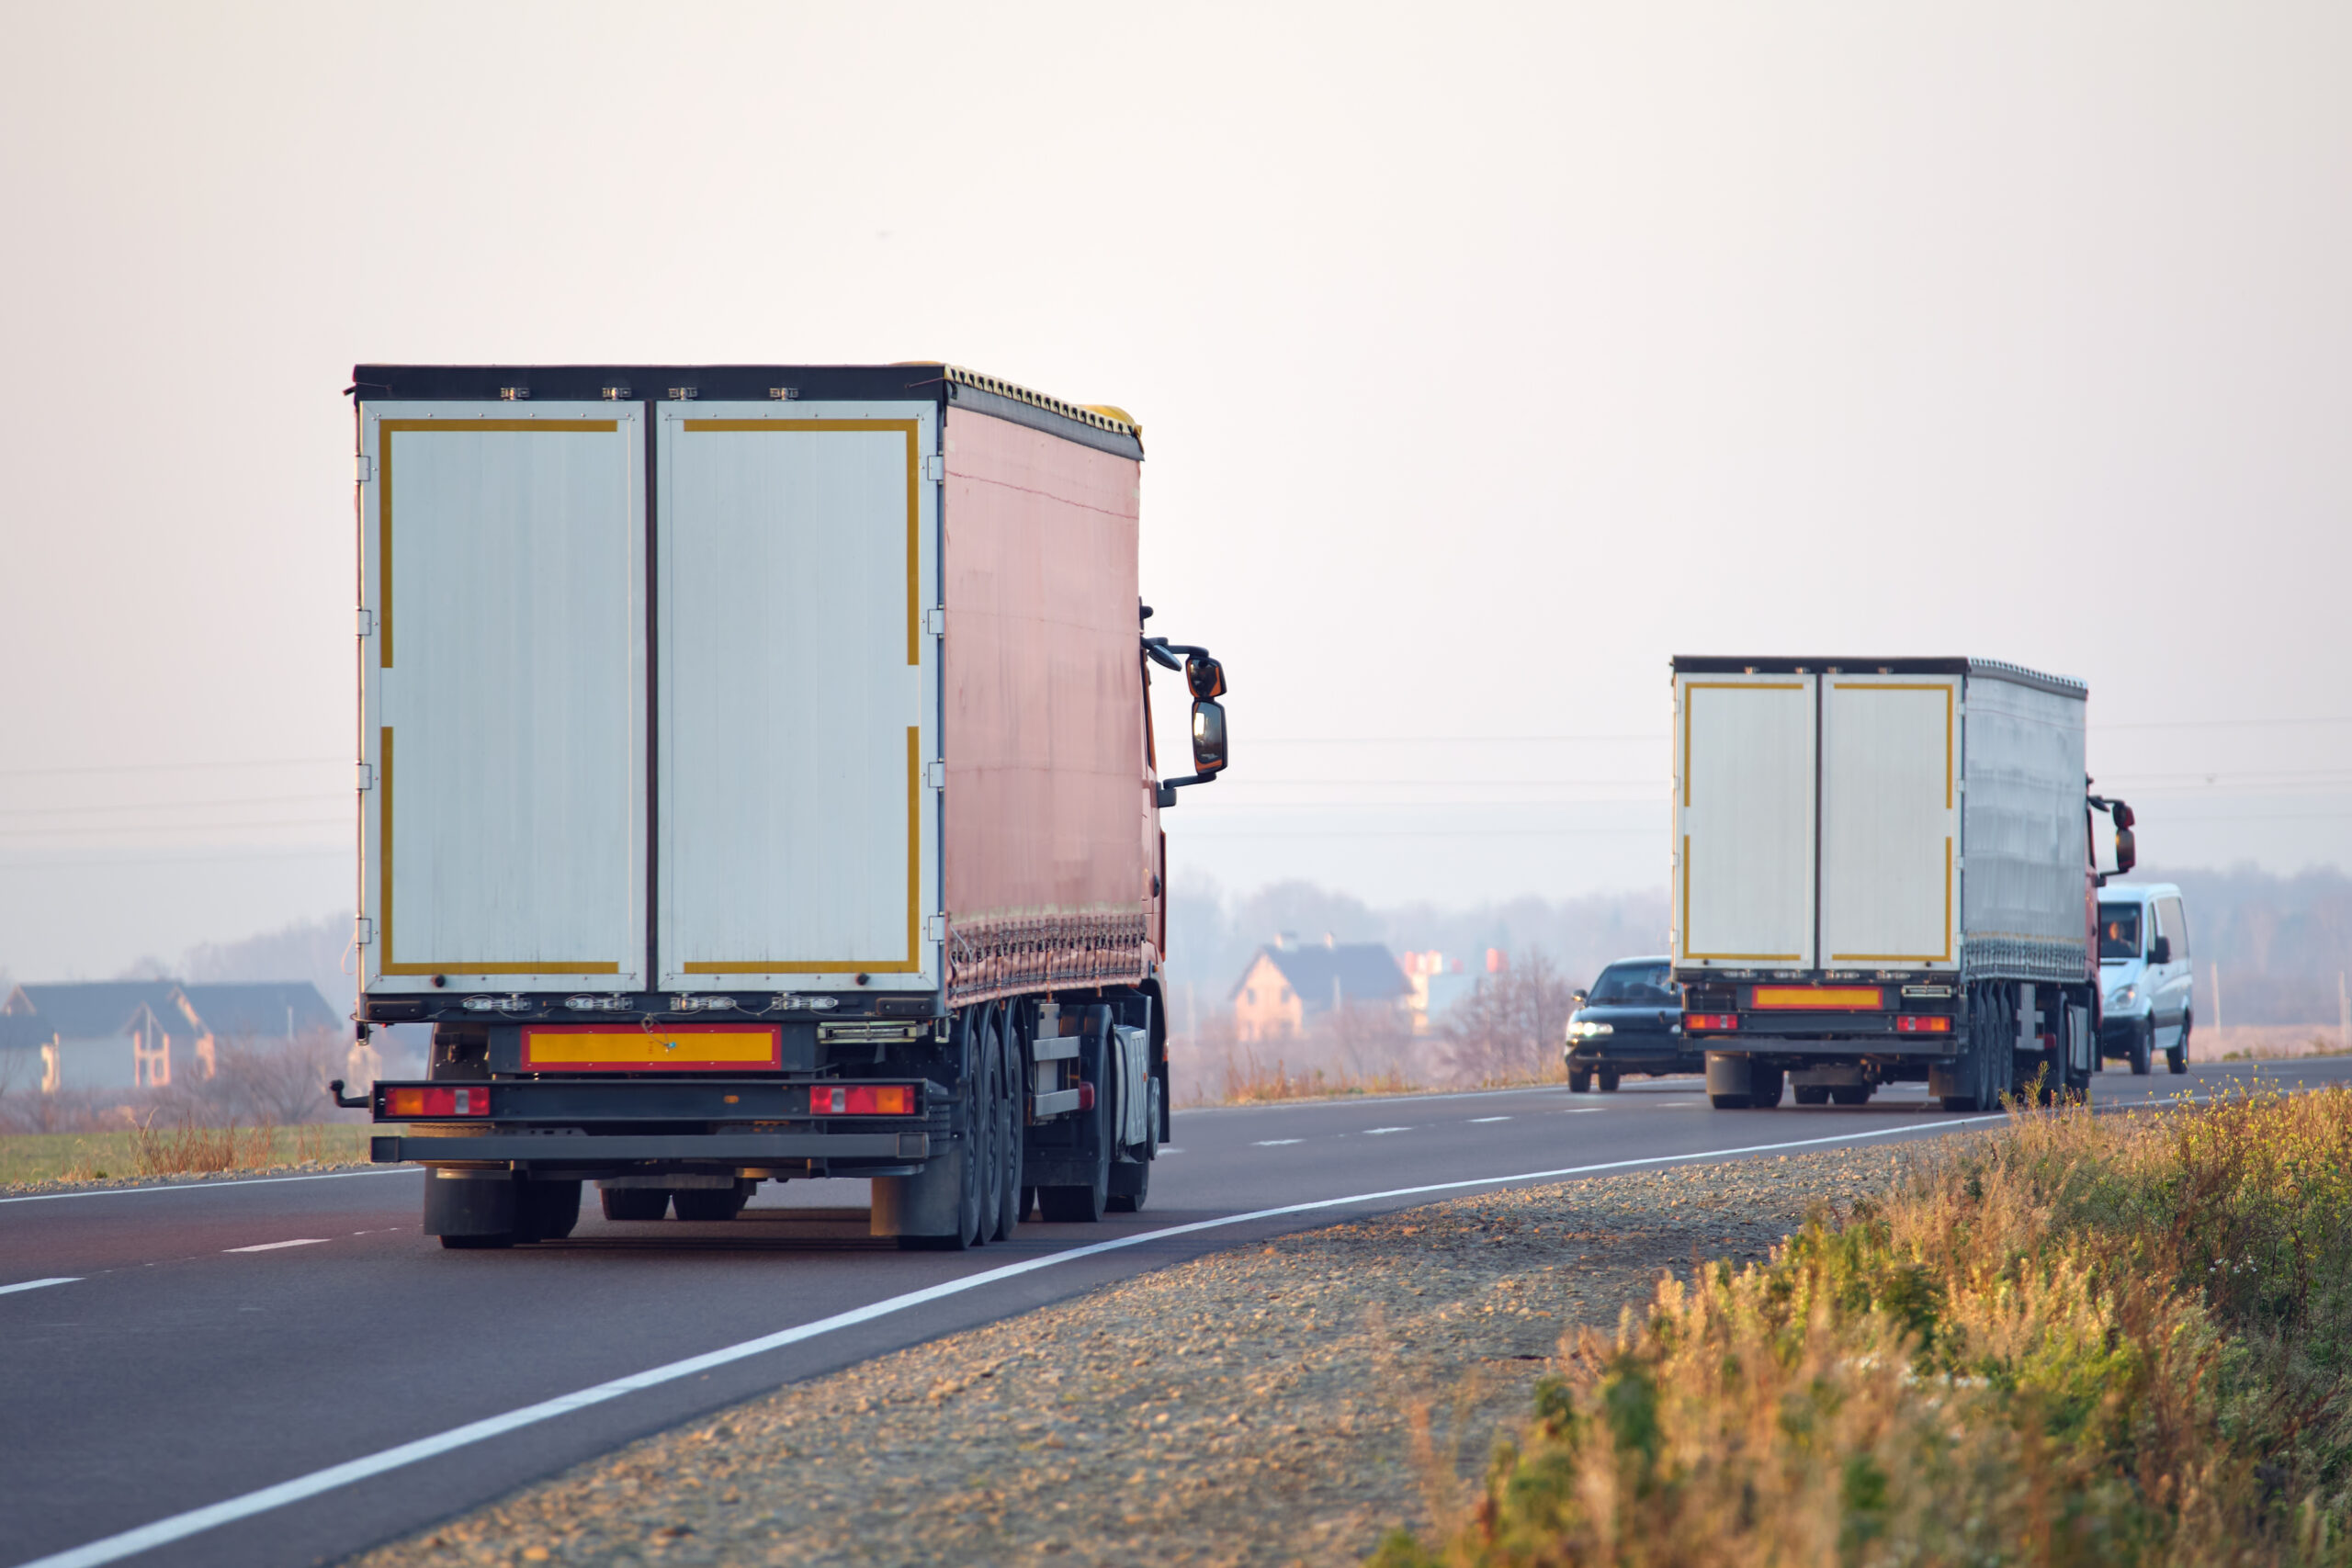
1744	810
502	615
1890	821
795	560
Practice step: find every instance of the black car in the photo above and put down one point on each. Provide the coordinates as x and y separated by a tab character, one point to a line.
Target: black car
1631	1022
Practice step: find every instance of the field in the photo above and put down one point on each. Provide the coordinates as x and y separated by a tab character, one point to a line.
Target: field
2087	1340
47	1159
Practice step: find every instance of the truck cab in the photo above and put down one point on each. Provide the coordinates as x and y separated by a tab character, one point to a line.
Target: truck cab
2144	976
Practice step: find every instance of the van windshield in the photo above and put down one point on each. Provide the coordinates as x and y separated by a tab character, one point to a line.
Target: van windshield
1635	985
2119	931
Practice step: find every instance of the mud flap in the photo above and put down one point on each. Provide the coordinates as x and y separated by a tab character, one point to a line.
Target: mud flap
928	1202
1728	1074
471	1202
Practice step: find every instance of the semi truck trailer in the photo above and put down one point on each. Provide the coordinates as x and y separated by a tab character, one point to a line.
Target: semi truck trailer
1883	872
757	781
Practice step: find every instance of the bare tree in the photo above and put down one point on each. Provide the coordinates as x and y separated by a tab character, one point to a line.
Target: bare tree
1510	1028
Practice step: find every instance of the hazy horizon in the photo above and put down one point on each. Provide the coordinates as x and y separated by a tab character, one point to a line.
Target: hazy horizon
1486	358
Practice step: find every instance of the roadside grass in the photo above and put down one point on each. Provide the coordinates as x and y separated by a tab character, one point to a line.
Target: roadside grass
2085	1339
50	1160
1253	1082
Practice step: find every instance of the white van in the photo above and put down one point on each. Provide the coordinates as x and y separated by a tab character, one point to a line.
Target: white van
2143	972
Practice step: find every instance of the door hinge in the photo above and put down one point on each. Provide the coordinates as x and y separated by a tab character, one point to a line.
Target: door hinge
367	778
363	931
934	620
365	468
935	928
367	621
934	467
935	775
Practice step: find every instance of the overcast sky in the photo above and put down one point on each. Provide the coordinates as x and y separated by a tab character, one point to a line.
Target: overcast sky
1486	358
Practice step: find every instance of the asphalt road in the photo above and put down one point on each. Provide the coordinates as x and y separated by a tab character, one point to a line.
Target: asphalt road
211	1340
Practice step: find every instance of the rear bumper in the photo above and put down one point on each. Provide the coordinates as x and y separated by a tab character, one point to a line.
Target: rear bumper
1925	1047
539	1149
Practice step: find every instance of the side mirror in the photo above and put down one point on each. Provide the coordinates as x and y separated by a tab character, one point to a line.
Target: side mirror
1208	734
2127	853
1576	999
1206	676
2160	951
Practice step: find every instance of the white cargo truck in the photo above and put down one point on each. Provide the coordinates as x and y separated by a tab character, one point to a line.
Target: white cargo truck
1883	872
757	782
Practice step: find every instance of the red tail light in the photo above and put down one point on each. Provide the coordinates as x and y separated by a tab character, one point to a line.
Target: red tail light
1711	1020
436	1100
862	1099
1922	1023
1086	1096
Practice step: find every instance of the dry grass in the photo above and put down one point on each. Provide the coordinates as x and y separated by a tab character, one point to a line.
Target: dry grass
47	1159
1250	1081
2087	1340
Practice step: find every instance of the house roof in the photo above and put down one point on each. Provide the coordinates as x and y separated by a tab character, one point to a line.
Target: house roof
1362	971
88	1011
94	1010
261	1011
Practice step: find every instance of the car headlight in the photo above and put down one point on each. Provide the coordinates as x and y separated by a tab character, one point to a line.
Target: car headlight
1582	1030
2122	996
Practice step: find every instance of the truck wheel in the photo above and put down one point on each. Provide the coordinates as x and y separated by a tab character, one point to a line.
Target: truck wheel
1817	1094
1579	1080
549	1210
1012	1118
634	1202
1764	1087
1608	1080
2143	1041
1084	1203
1851	1094
709	1203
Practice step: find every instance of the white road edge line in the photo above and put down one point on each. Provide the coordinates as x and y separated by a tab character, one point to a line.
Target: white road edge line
36	1284
274	1246
214	1186
179	1526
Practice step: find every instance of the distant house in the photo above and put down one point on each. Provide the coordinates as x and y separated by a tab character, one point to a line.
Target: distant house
143	1034
1437	983
1289	983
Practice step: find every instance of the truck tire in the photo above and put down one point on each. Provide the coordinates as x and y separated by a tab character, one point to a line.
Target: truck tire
1083	1203
1580	1079
709	1203
634	1202
1988	1067
1851	1094
1764	1087
1004	1045
1608	1080
1816	1094
549	1210
2143	1044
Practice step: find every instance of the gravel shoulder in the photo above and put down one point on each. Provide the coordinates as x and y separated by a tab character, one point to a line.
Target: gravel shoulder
1283	1404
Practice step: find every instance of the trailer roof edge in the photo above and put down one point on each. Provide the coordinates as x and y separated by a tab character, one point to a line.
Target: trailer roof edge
1859	664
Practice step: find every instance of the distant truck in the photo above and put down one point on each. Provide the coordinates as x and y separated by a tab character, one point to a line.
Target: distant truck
757	781
1883	872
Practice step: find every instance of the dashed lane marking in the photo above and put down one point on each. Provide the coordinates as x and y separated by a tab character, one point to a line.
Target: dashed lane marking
275	1245
1274	1143
1375	1132
1475	1120
38	1284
